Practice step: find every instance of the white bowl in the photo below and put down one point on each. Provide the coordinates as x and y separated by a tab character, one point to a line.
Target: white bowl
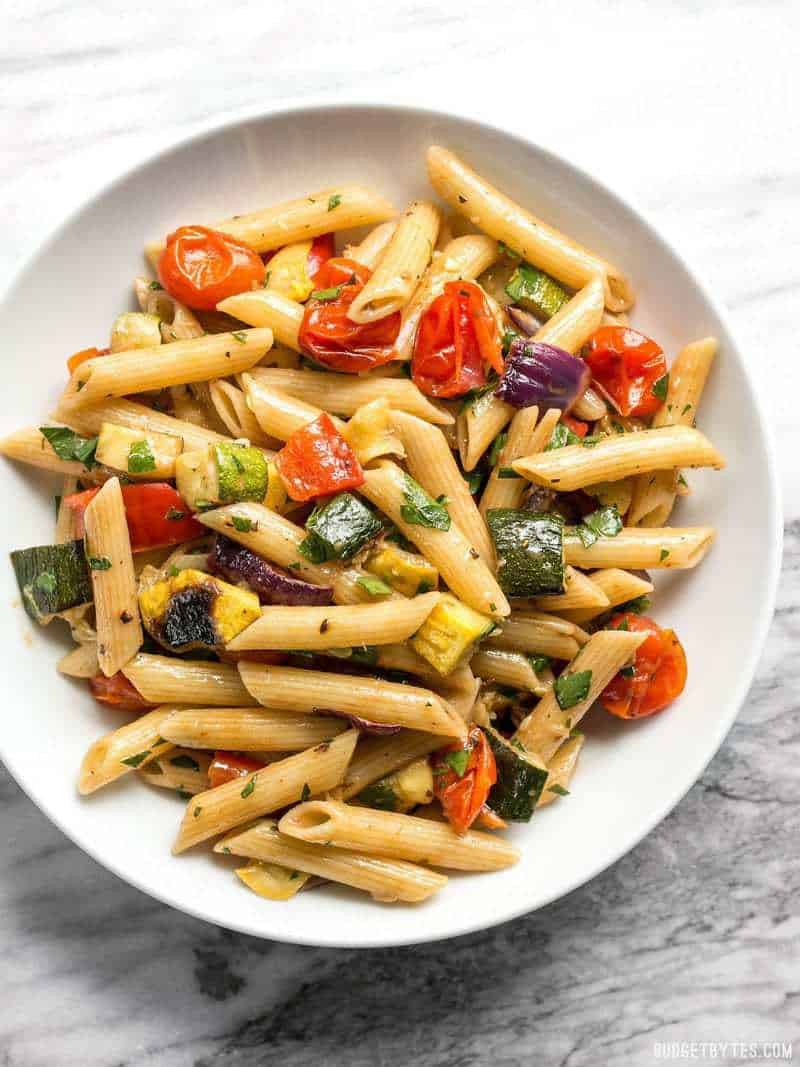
631	774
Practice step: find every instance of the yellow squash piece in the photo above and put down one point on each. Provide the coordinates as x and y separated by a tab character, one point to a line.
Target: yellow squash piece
196	610
406	572
449	633
140	455
400	791
271	881
287	272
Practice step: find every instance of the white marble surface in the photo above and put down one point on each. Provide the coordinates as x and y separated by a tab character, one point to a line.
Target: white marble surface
690	109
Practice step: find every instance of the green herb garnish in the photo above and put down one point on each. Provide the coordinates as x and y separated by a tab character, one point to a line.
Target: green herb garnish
605	522
99	563
508	472
175	515
134	761
638	605
561	436
140	457
374	586
248	789
498	445
306	792
420	509
663	555
327	294
571	689
155	286
68	445
559	790
457	761
661	386
539	663
334	201
243	524
185	761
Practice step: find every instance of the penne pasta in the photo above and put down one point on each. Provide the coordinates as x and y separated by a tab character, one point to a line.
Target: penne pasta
346	393
65	516
618	586
176	322
510	668
635	548
370	250
308	692
654	494
370	433
560	770
108	551
376	757
230	403
267	309
479	422
271	788
317	629
140	369
620	456
398	271
548	725
524	439
183	770
386	880
248	729
396	836
579	592
277	413
167	680
537	632
89	419
123	750
459	564
542	245
31	447
81	662
431	463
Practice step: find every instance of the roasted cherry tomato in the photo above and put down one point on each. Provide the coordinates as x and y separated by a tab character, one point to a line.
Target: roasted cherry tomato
625	366
463	775
578	427
200	267
157	515
226	766
456	338
118	692
323	248
657	676
329	337
316	461
75	360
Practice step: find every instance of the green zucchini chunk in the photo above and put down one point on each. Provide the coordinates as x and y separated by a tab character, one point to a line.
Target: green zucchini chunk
530	551
520	780
339	529
536	291
52	578
242	472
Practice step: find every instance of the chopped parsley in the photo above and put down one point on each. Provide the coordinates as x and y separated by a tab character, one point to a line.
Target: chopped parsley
474	480
457	761
185	761
140	457
508	338
327	294
175	515
571	689
243	524
508	472
248	789
663	555
686	407
638	605
155	286
661	386
99	563
562	435
498	445
240	336
470	399
628	672
420	509
374	586
559	790
134	761
306	792
605	522
68	445
380	795
539	663
184	794
334	201
504	250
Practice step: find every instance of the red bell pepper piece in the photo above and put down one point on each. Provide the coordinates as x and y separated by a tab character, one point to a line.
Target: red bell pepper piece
226	766
322	249
117	692
317	461
157	515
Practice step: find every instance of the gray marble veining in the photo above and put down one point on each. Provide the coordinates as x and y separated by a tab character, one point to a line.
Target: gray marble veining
690	108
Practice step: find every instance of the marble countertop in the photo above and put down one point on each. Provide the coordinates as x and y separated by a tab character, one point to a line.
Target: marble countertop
690	109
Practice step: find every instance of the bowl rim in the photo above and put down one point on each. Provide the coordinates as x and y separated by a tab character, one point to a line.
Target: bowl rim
762	618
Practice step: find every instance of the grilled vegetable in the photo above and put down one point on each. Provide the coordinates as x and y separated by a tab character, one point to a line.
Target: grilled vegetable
463	776
536	291
118	692
400	791
520	779
270	881
52	578
140	455
538	373
156	514
530	551
449	633
223	474
291	270
268	582
406	572
135	329
195	610
339	529
317	461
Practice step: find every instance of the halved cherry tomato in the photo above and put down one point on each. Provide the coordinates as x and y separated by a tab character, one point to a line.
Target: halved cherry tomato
322	249
227	766
316	461
625	366
456	337
200	267
658	674
329	337
578	427
157	515
75	360
118	692
462	782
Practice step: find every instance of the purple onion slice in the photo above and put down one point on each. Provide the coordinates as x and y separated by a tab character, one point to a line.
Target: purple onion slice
271	584
538	373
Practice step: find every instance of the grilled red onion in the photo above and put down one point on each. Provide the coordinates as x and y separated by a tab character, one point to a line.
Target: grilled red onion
271	584
538	373
527	322
366	726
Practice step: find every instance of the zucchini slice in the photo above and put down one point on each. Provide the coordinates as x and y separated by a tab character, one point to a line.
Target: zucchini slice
530	551
339	529
52	578
195	610
407	572
520	779
400	791
536	291
222	474
138	454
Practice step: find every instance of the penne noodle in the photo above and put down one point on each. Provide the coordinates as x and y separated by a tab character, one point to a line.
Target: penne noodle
370	433
370	250
510	668
65	517
401	266
316	770
315	629
89	419
431	463
459	564
572	326
478	423
560	770
396	836
123	750
230	403
309	691
619	587
635	548
268	309
176	322
30	446
81	662
386	880
612	458
279	414
459	688
580	592
654	494
346	393
140	369
183	770
248	729
168	680
108	551
548	725
376	757
524	439
462	258
590	406
542	245
537	632
349	588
